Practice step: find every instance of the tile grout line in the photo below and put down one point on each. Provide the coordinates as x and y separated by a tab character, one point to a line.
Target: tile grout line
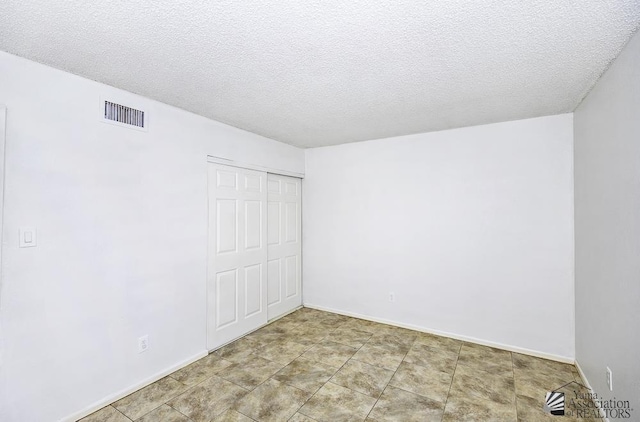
188	388
437	370
194	386
163	403
289	336
122	413
329	380
181	393
284	383
261	383
180	412
293	386
390	379
515	395
446	400
437	350
236	410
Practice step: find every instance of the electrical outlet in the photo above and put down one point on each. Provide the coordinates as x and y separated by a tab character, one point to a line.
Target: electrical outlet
392	297
609	379
143	343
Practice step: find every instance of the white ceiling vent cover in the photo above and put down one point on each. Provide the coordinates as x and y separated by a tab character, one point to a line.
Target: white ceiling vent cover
123	115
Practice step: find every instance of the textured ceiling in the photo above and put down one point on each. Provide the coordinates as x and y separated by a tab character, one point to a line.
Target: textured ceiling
323	72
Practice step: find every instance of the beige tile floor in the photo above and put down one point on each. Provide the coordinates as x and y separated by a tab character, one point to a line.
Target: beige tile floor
318	366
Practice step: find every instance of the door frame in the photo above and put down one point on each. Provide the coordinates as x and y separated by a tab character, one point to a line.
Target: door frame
212	159
283	305
234	163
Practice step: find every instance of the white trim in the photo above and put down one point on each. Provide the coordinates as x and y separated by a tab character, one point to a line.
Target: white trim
507	347
283	315
586	383
253	331
131	389
233	163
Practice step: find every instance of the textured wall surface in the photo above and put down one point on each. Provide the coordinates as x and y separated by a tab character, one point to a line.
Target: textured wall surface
607	221
317	73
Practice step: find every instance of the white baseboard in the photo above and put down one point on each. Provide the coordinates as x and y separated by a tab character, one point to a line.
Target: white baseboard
256	329
557	358
283	315
586	383
123	393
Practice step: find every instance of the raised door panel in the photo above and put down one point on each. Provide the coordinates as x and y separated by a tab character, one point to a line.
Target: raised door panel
226	226
226	179
253	290
274	274
253	224
291	264
284	245
291	230
226	298
237	261
273	218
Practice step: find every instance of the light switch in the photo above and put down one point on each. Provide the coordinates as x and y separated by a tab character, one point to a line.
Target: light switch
27	237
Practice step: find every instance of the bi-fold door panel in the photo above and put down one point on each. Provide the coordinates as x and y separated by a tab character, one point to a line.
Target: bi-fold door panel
237	267
284	245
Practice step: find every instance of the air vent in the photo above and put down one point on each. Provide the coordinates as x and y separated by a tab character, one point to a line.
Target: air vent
123	114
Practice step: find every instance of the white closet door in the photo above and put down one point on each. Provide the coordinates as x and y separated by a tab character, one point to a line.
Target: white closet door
237	267
284	245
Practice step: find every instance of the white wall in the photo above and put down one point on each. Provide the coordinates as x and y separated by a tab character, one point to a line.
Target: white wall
607	229
472	229
122	224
